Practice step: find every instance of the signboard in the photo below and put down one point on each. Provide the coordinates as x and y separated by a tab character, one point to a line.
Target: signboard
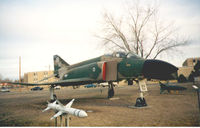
143	86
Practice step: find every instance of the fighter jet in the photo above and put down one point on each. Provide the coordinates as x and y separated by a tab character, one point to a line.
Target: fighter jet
57	106
169	88
109	68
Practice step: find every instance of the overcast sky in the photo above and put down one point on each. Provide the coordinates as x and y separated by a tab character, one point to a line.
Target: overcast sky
38	29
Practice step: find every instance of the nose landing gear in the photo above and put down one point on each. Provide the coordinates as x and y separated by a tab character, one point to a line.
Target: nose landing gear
140	101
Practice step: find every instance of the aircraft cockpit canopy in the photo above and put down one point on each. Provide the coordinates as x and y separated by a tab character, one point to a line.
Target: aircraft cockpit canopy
119	54
132	55
123	55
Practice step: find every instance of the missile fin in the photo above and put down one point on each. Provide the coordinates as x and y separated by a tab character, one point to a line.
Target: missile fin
59	102
46	109
69	104
57	114
54	102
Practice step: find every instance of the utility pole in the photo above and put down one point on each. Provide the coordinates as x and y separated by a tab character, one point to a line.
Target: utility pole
19	72
19	69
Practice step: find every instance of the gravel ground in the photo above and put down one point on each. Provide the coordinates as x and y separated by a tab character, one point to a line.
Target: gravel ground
25	108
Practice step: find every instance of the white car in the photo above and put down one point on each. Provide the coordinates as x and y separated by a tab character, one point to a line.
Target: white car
3	89
57	87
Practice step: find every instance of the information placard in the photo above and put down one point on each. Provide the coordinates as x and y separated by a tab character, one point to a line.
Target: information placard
143	86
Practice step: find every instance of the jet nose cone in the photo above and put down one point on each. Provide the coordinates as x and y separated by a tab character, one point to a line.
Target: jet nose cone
157	69
82	114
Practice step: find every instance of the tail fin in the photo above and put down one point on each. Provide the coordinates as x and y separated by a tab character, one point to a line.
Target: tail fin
58	63
46	109
162	85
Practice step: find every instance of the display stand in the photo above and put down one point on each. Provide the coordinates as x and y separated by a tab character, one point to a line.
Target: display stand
64	121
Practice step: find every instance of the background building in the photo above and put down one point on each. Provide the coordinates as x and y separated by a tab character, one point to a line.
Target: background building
190	62
36	77
188	66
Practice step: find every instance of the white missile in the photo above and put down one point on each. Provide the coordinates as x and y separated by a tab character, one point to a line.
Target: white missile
57	106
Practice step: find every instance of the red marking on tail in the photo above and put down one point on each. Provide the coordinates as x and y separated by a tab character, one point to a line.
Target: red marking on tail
104	71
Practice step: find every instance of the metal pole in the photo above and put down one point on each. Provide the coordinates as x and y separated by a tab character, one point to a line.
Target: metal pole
67	120
19	69
56	119
198	91
51	93
61	121
198	96
56	122
141	94
20	73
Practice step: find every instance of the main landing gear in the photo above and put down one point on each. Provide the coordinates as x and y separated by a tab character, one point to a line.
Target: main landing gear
110	90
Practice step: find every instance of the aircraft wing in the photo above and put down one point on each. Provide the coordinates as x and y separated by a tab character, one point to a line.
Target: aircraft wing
57	114
68	82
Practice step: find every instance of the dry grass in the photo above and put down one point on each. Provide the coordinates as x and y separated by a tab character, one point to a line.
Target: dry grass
25	108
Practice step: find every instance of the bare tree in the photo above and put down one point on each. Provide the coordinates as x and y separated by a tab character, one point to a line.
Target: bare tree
140	31
1	78
4	79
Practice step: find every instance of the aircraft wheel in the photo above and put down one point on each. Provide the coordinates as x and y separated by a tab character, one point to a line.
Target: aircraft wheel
140	102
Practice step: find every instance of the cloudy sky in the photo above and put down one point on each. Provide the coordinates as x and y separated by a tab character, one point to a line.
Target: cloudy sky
38	29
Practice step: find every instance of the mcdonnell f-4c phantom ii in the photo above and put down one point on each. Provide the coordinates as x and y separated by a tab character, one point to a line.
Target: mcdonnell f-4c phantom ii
109	68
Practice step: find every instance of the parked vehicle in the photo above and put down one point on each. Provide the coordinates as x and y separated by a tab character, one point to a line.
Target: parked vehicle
90	86
3	89
57	87
36	88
